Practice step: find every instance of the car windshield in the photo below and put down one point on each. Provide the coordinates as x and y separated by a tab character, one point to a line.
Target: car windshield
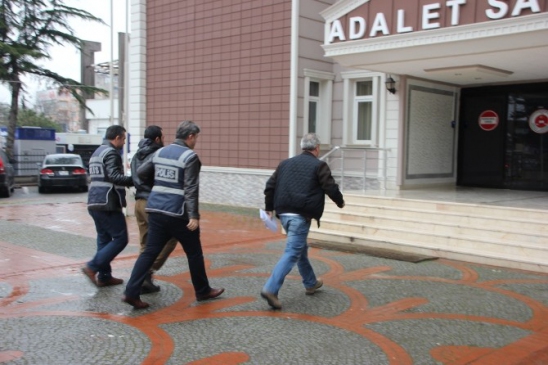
63	160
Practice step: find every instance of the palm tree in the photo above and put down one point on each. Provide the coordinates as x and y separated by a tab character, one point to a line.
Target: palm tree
28	28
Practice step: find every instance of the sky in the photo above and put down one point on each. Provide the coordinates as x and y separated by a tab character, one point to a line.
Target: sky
66	60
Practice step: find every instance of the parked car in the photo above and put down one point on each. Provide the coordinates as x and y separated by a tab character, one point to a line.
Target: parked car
7	176
62	170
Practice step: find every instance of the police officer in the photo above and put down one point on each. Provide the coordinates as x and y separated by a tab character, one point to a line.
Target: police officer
106	198
172	209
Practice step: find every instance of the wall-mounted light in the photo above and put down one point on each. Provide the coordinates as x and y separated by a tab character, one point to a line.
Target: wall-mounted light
390	84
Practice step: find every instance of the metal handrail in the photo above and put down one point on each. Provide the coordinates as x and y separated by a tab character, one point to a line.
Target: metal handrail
329	153
382	177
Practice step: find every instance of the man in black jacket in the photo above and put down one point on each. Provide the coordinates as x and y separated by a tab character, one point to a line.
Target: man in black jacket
106	198
153	141
296	191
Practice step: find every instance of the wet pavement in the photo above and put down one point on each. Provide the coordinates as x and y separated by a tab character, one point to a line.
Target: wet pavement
370	311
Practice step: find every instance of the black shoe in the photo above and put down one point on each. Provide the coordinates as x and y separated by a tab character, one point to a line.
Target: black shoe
214	293
148	286
135	302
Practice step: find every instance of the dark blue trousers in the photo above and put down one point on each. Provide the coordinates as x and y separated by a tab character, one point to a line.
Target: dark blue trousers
112	238
161	228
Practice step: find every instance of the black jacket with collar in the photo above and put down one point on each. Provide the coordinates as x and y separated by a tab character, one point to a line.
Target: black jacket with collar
146	148
114	173
299	185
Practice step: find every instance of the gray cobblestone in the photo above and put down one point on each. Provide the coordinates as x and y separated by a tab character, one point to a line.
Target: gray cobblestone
271	341
64	340
418	337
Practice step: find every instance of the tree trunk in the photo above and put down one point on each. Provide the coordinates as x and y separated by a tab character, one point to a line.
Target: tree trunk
12	122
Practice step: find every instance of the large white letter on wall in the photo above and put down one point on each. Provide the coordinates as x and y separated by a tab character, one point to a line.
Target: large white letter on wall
379	25
502	9
337	31
357	27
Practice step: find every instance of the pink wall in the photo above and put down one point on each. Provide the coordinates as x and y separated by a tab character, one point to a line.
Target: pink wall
226	66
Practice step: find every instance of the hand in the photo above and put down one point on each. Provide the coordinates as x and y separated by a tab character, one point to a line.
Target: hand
269	214
193	224
342	205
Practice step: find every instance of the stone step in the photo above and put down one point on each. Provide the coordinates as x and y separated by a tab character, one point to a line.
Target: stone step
515	257
437	234
506	236
478	210
451	224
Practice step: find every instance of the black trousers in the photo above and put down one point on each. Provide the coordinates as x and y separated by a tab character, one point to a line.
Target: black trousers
161	228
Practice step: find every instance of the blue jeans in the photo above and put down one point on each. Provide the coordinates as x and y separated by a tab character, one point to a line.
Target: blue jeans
112	238
296	252
161	229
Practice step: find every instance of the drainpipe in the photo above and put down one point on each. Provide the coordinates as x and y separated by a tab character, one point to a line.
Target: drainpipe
294	76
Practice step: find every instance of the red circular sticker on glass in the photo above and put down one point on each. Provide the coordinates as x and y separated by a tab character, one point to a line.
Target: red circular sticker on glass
488	120
538	121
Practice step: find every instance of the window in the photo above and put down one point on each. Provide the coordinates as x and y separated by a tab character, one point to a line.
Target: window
364	110
361	108
318	95
313	103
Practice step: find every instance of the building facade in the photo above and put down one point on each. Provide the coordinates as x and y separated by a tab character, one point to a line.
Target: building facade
403	94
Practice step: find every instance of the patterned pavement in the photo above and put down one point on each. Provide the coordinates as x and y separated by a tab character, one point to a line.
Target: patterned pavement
370	311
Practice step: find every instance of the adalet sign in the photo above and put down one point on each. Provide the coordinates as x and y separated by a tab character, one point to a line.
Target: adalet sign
430	16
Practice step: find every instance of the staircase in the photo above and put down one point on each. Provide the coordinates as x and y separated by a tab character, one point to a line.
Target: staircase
500	236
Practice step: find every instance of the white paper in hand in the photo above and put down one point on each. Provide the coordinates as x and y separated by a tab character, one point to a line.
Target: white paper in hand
269	223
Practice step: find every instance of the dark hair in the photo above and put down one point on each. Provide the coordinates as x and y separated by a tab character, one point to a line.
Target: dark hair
185	129
152	132
114	131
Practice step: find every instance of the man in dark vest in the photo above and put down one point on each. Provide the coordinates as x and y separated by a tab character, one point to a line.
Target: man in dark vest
172	208
106	198
296	191
153	140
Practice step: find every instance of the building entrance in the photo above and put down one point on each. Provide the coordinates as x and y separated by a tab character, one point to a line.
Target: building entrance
503	137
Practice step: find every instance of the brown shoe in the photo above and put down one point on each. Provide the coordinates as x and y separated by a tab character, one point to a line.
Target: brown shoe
272	300
135	302
214	293
109	282
311	291
90	274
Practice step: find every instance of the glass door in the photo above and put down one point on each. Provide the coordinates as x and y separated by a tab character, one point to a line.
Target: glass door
503	137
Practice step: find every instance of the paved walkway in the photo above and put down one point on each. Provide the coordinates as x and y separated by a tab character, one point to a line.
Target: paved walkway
370	310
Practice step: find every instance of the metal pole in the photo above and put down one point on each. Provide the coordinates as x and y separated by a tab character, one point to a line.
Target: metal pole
364	169
125	115
111	73
342	170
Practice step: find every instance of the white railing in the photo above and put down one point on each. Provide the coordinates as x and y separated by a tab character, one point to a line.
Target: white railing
353	163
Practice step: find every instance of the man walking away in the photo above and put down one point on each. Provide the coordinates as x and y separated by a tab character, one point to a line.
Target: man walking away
296	191
153	140
172	209
106	198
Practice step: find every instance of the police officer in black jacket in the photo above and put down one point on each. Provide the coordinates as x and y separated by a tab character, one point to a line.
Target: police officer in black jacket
172	209
106	198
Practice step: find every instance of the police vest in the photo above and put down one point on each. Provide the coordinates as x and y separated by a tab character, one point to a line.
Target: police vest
168	195
100	187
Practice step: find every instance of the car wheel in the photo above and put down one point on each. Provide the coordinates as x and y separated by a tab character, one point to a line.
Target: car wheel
41	189
5	193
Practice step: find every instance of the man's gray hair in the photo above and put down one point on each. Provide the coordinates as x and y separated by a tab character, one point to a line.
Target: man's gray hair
310	141
185	129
